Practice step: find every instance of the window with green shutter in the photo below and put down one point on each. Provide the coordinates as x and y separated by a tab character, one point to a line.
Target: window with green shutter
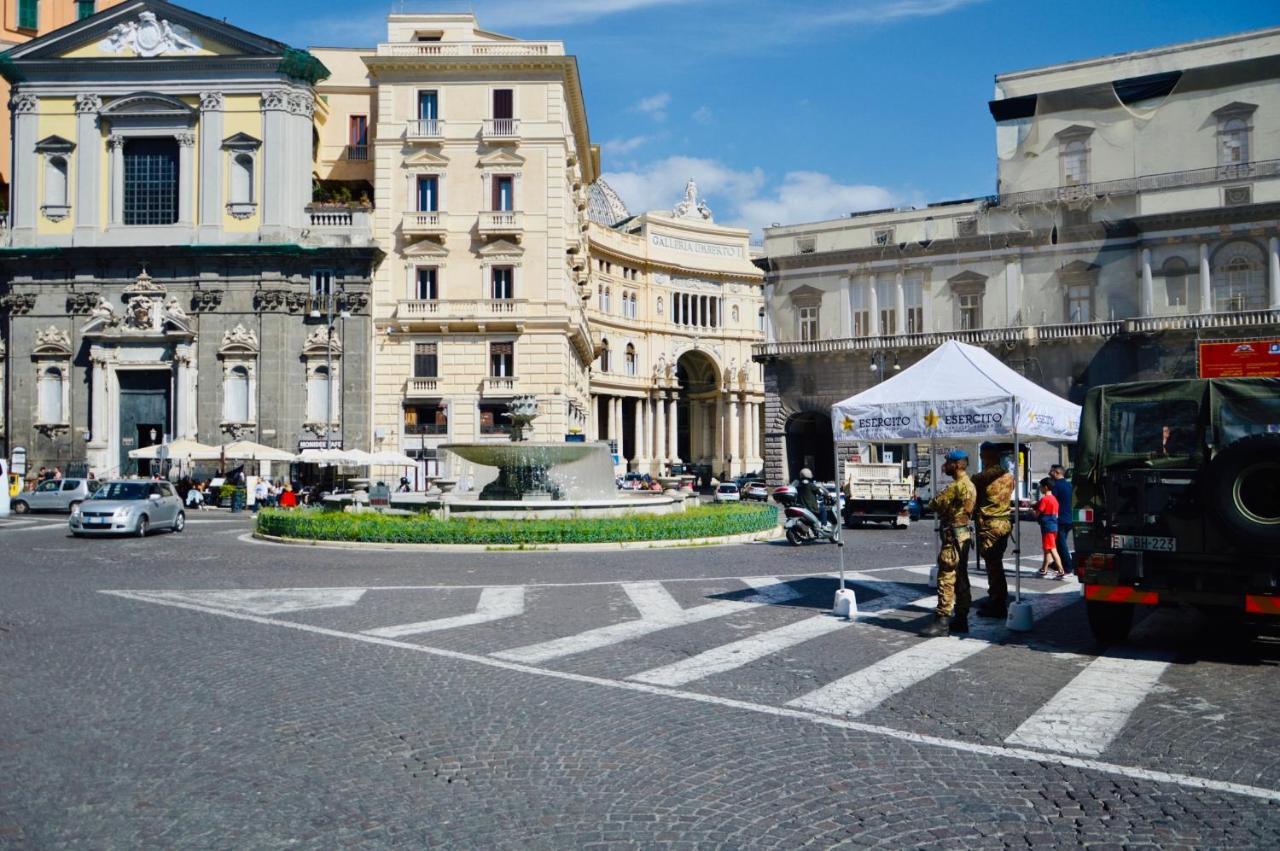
84	9
28	14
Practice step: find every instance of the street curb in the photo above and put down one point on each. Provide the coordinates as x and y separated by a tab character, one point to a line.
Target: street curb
622	546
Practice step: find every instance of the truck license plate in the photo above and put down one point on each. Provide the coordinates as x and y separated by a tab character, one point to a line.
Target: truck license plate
1143	542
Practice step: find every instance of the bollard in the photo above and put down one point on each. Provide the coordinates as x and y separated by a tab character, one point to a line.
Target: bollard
846	604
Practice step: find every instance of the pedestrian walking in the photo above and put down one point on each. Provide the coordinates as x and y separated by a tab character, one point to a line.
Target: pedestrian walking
1062	493
1047	514
993	515
954	507
260	494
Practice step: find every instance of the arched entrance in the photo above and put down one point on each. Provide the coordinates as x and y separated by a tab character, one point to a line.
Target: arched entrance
810	444
699	413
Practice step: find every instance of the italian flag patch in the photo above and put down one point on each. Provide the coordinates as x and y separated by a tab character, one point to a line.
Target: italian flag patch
1084	515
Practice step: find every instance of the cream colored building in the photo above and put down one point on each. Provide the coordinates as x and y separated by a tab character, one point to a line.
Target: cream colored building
676	307
479	155
1136	213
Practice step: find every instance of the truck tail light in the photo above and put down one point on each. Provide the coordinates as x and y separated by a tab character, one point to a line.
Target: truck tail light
1258	604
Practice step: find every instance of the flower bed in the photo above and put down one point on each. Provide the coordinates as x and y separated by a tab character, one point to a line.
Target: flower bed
699	522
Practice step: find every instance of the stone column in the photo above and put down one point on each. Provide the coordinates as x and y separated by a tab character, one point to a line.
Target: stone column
1206	281
186	177
722	436
1148	288
115	150
673	433
211	167
275	155
873	306
98	437
735	436
899	304
641	459
708	430
184	424
593	427
88	200
1273	271
23	201
660	431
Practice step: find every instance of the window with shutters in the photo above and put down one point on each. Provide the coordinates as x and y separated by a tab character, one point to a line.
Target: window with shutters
504	189
502	282
84	8
425	362
235	395
52	396
969	310
631	359
604	355
28	14
913	296
426	283
428	193
502	360
808	323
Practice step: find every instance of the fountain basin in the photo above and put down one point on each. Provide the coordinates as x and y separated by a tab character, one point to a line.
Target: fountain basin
546	473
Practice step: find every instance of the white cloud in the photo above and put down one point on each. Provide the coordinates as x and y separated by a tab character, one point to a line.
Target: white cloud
654	106
702	115
887	11
504	13
746	198
622	147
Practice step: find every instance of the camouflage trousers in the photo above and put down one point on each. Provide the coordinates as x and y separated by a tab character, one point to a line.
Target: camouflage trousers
993	538
954	598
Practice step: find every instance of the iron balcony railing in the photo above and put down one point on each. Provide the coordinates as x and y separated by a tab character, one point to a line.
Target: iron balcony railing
356	153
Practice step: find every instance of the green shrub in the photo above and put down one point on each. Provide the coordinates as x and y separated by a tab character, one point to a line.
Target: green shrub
699	522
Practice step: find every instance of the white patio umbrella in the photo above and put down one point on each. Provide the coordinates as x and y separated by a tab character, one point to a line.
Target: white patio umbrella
391	459
247	450
177	450
323	457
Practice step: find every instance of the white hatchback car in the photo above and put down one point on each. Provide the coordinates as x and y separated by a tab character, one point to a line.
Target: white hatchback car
728	492
130	507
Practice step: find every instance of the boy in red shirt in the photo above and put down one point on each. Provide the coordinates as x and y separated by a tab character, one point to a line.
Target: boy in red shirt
1047	513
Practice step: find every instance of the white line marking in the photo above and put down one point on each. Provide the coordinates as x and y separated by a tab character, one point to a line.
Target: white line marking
865	689
1091	710
727	657
658	611
495	605
1022	754
271	601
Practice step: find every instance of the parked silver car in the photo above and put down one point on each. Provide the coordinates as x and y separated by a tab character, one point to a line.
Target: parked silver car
131	507
55	495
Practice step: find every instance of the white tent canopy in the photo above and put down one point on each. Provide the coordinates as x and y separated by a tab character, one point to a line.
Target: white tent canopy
956	392
178	450
247	450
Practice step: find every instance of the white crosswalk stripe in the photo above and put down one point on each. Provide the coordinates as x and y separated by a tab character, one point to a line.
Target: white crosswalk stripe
1091	710
738	653
658	611
495	604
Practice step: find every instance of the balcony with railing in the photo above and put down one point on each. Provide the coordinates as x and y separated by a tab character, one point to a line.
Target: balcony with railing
356	153
501	223
489	313
416	387
339	224
424	130
501	385
500	128
425	223
1238	173
431	49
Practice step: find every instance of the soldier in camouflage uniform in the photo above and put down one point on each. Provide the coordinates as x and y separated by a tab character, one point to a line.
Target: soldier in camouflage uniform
994	523
954	507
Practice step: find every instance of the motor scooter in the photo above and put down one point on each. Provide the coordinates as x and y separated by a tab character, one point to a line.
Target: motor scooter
801	526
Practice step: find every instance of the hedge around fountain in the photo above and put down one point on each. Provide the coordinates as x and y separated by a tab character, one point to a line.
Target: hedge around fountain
711	521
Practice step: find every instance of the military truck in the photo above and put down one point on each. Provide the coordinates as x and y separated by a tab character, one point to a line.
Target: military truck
876	493
1177	500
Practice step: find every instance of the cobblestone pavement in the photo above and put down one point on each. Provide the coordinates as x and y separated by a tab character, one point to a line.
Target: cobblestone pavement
205	690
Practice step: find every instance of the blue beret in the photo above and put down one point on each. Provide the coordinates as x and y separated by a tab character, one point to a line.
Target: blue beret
957	455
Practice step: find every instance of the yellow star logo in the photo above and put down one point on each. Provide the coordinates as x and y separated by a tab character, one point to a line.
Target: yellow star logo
1031	416
932	419
847	424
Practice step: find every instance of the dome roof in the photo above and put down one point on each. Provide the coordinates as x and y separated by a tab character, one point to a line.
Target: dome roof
604	207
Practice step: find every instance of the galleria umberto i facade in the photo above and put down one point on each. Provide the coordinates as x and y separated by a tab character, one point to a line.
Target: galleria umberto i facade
170	269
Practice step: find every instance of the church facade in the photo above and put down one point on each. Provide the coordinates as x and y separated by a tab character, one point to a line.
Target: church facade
164	274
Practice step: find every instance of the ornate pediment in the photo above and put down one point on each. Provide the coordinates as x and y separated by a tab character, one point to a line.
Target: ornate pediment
148	36
239	341
144	285
500	249
52	341
501	159
967	278
426	249
55	145
426	159
148	105
322	341
241	142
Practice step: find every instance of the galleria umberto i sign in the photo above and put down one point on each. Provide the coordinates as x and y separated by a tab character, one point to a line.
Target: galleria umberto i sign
708	249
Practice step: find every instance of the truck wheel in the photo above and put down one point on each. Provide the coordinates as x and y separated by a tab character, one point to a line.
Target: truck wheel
1244	488
1109	622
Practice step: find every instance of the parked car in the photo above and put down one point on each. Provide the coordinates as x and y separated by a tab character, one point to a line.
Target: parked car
757	491
131	507
728	492
55	495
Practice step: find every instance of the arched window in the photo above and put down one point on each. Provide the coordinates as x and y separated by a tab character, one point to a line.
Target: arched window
242	179
235	395
635	306
631	359
1234	286
318	389
608	296
55	182
604	355
1234	148
51	396
1176	294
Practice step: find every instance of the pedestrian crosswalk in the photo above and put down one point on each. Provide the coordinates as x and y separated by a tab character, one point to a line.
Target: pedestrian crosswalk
779	632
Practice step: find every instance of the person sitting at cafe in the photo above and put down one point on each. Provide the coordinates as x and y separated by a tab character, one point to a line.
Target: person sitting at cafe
288	499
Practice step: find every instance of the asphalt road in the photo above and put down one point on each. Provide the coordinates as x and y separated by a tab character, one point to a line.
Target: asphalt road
206	690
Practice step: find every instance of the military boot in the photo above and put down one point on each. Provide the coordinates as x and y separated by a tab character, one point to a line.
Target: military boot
940	627
959	623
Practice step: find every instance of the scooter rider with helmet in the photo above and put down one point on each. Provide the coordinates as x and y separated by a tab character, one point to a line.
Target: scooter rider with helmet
810	496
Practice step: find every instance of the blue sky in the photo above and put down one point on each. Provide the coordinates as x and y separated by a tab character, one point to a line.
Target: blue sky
790	111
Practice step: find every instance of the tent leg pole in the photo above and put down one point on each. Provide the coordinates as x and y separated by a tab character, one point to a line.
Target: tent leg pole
839	519
1017	529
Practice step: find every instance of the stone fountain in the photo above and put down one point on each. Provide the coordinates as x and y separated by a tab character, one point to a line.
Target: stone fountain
530	478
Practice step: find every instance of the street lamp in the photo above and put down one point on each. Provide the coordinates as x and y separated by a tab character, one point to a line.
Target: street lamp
878	365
